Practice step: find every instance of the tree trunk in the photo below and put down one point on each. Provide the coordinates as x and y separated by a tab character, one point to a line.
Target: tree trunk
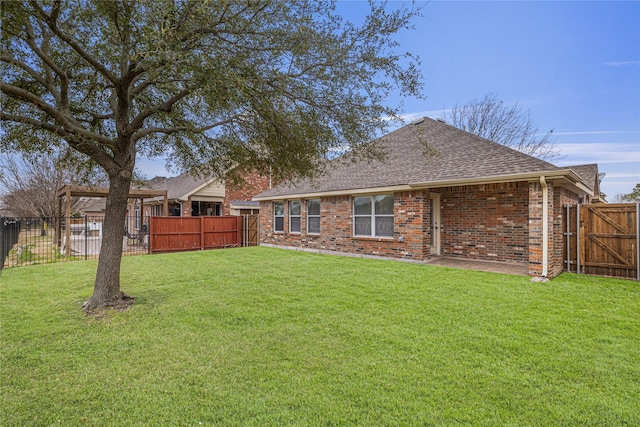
106	291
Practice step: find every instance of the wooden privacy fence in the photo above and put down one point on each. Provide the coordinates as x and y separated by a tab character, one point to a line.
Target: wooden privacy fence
602	239
177	234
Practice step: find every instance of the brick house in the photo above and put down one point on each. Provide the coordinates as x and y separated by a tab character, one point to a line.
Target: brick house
191	196
439	192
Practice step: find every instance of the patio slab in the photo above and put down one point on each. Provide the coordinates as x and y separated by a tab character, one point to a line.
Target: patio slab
519	269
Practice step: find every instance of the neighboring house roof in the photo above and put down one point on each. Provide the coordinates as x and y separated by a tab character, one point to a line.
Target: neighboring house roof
182	186
244	204
94	205
425	153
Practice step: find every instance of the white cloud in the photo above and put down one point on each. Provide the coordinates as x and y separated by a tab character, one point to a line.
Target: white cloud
621	63
598	132
408	117
600	152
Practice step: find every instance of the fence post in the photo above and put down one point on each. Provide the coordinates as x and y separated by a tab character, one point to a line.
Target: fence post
245	224
202	233
2	246
638	241
86	237
568	221
578	247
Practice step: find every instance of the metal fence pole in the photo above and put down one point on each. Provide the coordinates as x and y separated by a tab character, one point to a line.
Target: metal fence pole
578	251
568	238
2	245
86	237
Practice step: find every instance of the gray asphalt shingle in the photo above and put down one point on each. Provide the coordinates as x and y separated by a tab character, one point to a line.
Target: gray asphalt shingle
452	154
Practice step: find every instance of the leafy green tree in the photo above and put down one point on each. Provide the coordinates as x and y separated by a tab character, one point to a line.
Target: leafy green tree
634	196
215	86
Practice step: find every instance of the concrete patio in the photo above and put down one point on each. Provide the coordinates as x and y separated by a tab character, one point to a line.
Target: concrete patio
519	269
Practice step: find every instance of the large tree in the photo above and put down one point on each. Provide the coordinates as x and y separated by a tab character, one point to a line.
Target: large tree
634	196
216	86
511	126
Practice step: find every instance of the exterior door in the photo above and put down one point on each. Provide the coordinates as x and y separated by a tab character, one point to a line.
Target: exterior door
435	224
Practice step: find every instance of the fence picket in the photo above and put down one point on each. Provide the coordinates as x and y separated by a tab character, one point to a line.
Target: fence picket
605	240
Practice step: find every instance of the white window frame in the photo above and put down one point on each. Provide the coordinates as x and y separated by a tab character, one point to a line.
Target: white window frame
298	216
309	216
275	216
373	215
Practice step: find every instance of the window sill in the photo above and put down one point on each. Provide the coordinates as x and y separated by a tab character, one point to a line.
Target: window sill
377	239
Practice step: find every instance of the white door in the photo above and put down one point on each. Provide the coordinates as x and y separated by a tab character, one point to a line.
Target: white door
435	224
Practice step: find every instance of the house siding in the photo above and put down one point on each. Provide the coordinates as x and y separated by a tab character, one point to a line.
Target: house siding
496	222
485	222
336	228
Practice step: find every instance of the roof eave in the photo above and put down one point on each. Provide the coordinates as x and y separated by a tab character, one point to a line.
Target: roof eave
565	177
350	191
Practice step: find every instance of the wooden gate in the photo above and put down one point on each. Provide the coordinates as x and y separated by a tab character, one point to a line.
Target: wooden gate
602	239
250	230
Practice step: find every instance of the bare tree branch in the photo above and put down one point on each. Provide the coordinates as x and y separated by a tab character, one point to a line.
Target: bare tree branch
506	125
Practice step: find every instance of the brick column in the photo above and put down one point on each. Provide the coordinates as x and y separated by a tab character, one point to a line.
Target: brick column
186	208
535	229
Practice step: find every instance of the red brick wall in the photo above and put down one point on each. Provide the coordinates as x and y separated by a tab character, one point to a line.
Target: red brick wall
486	222
336	228
252	185
498	222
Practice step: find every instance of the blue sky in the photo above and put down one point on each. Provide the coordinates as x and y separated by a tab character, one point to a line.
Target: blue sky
575	65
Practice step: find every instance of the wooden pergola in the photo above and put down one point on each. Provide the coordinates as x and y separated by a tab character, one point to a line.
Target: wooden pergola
69	191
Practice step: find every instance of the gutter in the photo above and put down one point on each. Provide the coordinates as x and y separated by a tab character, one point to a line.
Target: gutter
545	226
567	175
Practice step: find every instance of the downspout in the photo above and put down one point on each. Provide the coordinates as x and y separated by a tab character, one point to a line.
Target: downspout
545	226
180	204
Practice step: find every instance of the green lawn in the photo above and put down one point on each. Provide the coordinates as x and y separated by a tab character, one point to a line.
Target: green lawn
264	337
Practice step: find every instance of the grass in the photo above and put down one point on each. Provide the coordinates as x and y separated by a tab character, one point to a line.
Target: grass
261	336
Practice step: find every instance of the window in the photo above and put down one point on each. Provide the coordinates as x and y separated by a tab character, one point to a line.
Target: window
313	216
373	216
294	216
278	216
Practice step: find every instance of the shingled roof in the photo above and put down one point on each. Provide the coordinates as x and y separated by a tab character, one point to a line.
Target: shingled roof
424	153
177	187
588	173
